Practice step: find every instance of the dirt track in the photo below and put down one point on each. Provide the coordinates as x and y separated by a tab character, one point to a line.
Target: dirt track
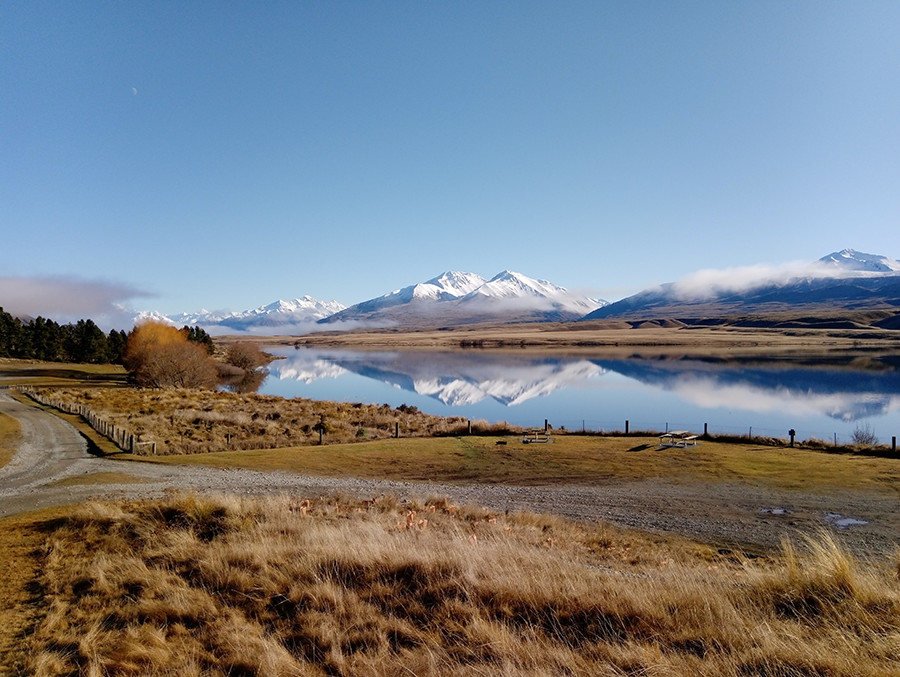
728	513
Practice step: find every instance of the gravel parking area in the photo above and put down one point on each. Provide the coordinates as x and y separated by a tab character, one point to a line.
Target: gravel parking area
725	514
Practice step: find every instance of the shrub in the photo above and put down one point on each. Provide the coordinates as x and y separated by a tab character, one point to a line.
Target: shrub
863	435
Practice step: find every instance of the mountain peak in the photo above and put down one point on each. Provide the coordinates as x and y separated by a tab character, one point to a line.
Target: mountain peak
852	260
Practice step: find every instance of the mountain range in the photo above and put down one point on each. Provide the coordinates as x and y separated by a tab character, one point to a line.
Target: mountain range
302	311
844	280
466	298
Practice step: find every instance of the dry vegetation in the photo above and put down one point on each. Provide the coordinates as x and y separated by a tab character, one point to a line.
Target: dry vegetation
235	586
615	337
9	438
193	421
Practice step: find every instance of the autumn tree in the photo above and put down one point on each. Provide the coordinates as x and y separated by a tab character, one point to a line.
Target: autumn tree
161	356
245	356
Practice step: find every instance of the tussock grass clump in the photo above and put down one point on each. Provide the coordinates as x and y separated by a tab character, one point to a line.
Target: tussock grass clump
194	422
282	586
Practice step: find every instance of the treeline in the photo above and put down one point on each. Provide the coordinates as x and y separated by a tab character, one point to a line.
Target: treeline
82	342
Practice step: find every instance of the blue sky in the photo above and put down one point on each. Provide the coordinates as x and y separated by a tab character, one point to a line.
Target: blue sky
175	155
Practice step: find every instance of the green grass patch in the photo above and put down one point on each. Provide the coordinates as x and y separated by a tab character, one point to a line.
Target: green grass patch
571	459
33	373
98	478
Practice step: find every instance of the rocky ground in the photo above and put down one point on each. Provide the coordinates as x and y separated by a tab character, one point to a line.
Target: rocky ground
53	467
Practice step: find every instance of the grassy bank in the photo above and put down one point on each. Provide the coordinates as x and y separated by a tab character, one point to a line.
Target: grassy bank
571	459
35	373
195	421
10	431
230	586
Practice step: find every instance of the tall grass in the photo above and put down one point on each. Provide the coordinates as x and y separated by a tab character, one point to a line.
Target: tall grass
235	586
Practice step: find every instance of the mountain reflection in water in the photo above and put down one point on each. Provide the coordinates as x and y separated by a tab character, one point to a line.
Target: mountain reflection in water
457	379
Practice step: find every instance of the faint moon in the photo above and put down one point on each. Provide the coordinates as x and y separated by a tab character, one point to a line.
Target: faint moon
134	90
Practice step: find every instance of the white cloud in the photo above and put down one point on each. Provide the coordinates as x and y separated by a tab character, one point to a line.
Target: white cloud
710	283
63	298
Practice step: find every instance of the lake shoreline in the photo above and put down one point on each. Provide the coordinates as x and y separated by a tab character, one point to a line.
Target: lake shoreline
599	338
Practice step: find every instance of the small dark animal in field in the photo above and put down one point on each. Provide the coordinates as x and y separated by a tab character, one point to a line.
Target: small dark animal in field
499	442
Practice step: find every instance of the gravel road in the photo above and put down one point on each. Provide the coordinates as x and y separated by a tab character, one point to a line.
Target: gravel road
726	514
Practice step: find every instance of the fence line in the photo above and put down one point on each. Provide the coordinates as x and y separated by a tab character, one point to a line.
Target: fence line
712	428
125	440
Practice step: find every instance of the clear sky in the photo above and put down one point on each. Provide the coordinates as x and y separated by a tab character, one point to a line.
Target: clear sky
227	154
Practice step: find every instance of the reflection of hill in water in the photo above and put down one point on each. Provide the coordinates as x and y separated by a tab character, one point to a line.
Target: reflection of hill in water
452	378
842	394
461	378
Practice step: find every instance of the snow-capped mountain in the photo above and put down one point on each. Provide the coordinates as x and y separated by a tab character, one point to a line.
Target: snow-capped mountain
461	298
301	311
847	280
509	285
850	260
446	287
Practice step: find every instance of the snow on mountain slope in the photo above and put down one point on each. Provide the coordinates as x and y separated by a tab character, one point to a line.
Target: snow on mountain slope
306	310
852	260
456	297
527	291
446	287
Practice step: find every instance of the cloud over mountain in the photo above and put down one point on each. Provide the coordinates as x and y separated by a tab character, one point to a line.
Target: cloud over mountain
64	298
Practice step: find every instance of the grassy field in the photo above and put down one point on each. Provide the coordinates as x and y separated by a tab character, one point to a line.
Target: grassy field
285	586
34	373
571	459
9	438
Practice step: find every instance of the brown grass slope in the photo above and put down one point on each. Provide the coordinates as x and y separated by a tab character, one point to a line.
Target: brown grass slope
231	586
193	421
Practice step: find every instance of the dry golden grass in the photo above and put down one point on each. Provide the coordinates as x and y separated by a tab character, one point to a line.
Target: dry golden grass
193	421
20	538
283	586
10	430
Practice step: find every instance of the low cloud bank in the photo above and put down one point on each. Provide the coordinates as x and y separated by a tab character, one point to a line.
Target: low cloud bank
65	299
295	328
710	283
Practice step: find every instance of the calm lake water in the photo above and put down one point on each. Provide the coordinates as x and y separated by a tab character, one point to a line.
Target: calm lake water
821	400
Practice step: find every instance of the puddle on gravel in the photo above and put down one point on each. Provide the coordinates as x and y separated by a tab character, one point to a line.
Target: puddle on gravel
842	521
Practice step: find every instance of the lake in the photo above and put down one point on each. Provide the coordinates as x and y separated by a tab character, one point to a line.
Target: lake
824	400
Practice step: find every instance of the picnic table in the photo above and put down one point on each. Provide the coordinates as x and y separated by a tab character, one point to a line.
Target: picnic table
538	435
678	438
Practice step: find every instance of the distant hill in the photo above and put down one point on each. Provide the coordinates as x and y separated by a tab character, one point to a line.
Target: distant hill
845	280
455	298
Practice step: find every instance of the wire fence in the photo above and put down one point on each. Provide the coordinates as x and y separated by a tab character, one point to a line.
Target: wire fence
122	438
650	425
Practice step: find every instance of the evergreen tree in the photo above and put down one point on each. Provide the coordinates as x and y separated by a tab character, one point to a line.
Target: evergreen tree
88	343
115	346
199	335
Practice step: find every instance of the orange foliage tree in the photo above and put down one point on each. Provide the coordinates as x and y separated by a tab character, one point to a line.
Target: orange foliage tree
160	356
